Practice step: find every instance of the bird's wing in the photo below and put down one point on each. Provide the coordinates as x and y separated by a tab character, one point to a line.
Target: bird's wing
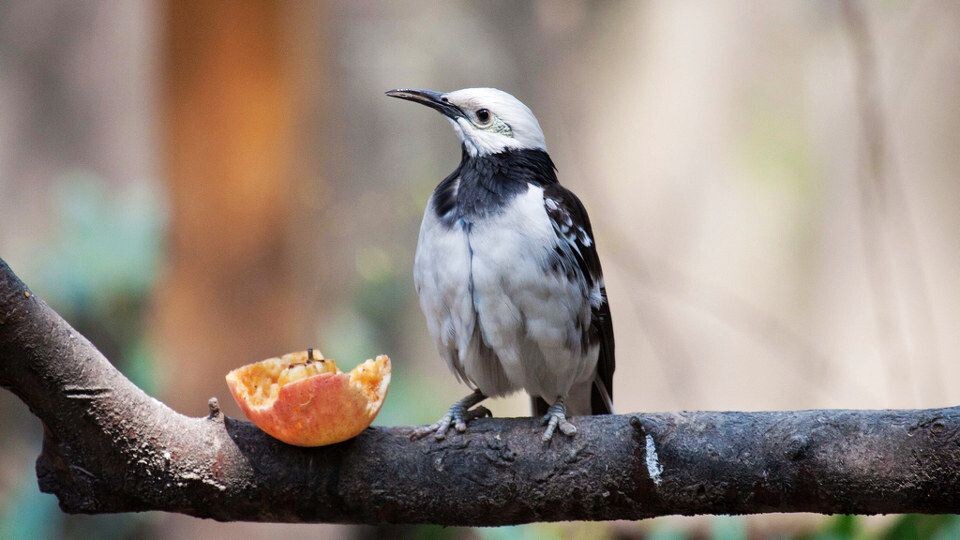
576	250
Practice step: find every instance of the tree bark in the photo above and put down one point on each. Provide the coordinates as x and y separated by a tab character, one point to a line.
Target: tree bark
109	447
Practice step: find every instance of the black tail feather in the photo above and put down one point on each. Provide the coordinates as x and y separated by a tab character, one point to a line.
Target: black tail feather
601	402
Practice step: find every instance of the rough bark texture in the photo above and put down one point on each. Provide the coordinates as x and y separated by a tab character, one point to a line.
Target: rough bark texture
111	448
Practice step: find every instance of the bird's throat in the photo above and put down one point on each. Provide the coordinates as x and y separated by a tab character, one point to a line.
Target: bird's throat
485	185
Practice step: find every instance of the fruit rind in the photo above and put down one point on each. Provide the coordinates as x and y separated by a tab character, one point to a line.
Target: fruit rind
318	404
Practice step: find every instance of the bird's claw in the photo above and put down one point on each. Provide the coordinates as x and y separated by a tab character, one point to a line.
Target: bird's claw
437	427
472	414
556	417
457	417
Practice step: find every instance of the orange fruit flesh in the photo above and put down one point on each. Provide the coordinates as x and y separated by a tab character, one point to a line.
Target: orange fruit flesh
260	382
310	402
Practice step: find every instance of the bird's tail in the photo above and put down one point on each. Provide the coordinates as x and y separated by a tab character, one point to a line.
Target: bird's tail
601	402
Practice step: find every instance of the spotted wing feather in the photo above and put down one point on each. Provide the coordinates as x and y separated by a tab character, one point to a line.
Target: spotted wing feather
576	255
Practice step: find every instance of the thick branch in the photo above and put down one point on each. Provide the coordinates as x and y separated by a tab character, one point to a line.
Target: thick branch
111	448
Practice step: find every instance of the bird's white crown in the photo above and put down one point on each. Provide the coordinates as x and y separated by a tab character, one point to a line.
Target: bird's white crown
494	121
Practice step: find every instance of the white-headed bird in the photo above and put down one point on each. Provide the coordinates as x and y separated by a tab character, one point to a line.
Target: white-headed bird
507	270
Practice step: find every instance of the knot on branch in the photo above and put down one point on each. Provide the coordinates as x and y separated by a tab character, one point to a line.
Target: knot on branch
213	404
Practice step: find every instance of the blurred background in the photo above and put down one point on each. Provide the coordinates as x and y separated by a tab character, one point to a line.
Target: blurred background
773	185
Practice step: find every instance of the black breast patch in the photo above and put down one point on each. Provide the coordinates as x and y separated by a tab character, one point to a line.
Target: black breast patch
485	185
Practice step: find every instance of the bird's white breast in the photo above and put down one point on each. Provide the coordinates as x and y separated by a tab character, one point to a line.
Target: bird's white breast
441	273
489	278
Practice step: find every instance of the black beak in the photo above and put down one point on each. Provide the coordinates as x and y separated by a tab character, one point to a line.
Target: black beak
434	100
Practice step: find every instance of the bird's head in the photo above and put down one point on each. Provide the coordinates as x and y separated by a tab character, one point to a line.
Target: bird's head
487	120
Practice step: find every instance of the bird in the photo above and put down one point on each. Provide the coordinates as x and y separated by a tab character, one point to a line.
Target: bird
507	270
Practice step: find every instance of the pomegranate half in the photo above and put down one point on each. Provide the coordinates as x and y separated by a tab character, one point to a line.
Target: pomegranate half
302	398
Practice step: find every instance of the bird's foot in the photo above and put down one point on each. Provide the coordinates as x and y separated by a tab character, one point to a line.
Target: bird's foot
556	417
459	414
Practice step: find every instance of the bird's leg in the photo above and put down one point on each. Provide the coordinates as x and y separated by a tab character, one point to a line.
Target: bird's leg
458	416
557	417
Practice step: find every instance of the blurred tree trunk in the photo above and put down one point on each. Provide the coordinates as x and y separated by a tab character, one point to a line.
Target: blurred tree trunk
228	295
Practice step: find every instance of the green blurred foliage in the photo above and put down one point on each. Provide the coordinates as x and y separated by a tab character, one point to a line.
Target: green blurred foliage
840	527
99	264
372	324
914	526
96	267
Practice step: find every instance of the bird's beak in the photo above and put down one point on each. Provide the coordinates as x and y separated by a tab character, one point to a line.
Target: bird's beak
434	100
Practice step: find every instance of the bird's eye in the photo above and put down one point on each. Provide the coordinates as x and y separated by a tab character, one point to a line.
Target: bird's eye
483	116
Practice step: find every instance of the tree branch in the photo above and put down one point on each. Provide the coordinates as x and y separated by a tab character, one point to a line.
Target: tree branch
108	447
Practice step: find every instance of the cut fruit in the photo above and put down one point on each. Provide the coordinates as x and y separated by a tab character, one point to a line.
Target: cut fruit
302	398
